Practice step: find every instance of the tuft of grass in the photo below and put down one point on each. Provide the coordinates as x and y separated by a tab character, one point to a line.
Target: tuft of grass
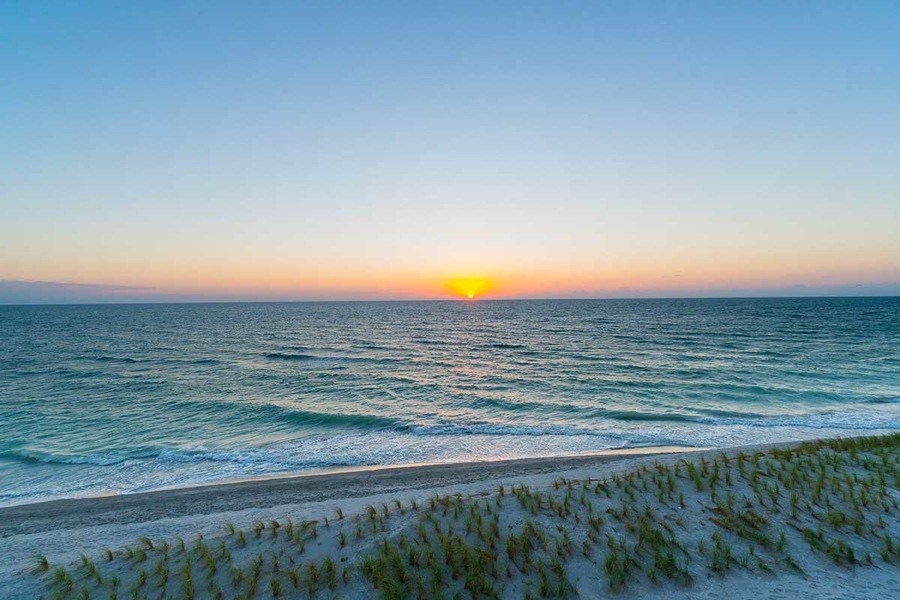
275	586
41	564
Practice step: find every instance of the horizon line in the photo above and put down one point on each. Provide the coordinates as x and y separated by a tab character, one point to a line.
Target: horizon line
453	300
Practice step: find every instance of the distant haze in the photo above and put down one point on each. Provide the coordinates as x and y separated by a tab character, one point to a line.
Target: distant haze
295	151
44	292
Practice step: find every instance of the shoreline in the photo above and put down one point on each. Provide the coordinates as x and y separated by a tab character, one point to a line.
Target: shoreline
265	491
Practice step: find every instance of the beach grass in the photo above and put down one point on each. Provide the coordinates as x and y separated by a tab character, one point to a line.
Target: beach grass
661	524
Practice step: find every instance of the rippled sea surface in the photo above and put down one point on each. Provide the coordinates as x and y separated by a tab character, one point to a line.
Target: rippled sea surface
95	399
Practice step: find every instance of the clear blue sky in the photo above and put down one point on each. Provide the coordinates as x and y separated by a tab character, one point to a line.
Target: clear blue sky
280	150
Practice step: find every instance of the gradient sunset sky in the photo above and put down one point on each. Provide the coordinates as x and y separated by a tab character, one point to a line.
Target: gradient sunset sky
291	151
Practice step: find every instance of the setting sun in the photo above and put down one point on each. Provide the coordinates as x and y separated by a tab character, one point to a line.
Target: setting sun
469	287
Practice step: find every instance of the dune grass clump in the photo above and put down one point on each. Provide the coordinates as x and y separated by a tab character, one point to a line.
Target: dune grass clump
41	564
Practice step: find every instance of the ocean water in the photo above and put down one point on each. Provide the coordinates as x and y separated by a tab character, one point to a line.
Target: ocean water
124	398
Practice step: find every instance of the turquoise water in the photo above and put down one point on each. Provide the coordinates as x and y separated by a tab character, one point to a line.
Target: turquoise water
122	398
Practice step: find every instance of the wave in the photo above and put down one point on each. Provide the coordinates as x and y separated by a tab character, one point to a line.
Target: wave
633	415
884	400
372	346
289	356
258	413
121	359
253	456
828	419
844	419
506	346
129	360
614	415
833	420
110	459
306	417
359	448
737	414
101	460
584	411
476	428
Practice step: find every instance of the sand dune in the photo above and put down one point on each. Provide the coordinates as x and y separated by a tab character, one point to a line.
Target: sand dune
818	522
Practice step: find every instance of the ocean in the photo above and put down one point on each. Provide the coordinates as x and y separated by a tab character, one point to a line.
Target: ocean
123	398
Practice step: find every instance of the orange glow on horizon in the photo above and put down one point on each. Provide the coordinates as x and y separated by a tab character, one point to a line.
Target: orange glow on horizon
470	288
256	279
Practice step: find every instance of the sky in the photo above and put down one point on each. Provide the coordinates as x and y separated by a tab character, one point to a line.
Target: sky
165	151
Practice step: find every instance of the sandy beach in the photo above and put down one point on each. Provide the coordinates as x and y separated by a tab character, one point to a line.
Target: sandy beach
63	530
